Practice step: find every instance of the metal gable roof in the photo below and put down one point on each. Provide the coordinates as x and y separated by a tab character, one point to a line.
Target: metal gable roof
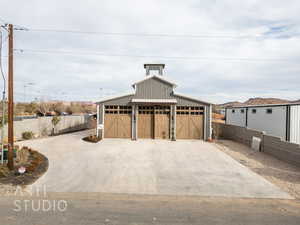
157	77
191	98
114	97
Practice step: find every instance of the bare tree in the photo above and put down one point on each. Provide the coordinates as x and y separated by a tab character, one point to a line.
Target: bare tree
43	108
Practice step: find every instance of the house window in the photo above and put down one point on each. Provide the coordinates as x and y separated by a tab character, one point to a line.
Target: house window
233	111
253	111
269	111
242	110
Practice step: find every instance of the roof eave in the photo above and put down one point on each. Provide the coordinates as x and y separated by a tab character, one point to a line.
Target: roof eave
167	101
192	98
113	98
262	105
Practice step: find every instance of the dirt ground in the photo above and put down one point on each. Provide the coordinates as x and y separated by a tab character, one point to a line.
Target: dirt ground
282	174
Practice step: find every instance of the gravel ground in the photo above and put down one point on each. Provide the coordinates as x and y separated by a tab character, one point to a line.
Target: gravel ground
282	174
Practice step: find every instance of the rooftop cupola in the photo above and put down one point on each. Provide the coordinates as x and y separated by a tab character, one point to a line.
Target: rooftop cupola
154	69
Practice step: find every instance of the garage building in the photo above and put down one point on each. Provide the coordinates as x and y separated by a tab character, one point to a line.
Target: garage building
154	111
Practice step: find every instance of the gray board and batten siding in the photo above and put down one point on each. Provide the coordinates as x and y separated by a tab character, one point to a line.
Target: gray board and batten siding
153	89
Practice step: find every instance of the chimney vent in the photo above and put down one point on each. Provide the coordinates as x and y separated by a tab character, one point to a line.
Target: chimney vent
154	69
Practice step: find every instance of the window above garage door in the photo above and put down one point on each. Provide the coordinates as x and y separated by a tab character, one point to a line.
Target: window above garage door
189	110
118	109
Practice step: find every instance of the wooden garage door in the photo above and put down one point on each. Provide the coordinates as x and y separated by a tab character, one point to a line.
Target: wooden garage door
189	122
154	122
117	122
146	122
162	122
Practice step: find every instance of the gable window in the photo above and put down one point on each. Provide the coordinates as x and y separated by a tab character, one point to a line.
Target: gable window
269	111
253	111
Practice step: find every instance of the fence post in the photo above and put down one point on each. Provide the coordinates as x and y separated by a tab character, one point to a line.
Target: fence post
262	144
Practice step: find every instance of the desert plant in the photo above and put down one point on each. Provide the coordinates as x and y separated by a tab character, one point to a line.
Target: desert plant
27	135
92	138
55	120
22	156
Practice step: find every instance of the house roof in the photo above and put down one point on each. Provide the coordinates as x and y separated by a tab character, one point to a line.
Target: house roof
108	98
191	98
157	77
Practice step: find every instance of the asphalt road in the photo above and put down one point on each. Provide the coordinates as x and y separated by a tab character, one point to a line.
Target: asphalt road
157	167
117	209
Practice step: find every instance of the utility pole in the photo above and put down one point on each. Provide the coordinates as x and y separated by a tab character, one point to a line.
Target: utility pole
10	155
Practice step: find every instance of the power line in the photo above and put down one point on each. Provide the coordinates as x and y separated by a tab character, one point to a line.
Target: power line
37	94
204	36
74	53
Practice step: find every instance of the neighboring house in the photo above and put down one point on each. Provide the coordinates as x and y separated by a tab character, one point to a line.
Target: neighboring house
154	110
276	120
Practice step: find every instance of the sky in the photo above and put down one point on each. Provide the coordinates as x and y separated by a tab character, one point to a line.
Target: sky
217	51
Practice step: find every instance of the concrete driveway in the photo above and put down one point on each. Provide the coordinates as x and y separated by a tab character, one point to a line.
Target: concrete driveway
156	167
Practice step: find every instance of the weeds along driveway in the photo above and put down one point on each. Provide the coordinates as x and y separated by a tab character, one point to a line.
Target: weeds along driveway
183	167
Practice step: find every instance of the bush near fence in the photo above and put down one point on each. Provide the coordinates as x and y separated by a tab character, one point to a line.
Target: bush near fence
275	146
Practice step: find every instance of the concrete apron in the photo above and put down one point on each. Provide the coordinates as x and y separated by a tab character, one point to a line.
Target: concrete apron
154	167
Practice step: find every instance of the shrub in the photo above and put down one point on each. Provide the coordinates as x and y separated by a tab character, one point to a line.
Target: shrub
55	120
22	156
27	135
92	138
